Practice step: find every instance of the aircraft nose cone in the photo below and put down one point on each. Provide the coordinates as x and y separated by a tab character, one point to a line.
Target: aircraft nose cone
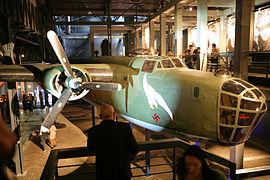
241	107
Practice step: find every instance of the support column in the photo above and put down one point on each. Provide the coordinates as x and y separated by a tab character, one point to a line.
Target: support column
132	38
170	44
147	153
109	33
237	155
152	36
189	36
252	18
163	34
137	38
222	33
93	115
202	31
15	127
178	21
242	35
91	40
42	48
68	26
143	37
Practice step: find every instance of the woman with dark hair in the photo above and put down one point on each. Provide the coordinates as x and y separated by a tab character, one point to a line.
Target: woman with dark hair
193	165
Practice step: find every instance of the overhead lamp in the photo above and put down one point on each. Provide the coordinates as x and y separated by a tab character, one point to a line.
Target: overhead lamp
190	9
172	17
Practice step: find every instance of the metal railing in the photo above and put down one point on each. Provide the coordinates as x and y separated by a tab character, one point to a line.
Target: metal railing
224	59
50	171
51	168
259	62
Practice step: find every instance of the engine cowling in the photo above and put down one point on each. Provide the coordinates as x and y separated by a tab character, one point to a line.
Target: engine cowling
55	81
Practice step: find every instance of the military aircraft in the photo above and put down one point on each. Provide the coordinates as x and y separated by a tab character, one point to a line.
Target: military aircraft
156	92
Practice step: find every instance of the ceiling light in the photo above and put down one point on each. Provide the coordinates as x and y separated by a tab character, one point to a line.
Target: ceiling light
190	9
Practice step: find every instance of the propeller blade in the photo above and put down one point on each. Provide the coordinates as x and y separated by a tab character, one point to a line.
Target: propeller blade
58	49
102	86
57	108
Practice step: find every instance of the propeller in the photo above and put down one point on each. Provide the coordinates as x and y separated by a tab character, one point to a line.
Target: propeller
102	86
72	83
57	108
60	53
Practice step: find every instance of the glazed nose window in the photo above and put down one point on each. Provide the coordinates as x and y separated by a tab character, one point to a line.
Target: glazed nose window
227	116
250	105
245	119
241	106
233	87
228	100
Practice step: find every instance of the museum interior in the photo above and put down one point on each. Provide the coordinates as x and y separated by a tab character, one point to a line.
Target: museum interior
179	72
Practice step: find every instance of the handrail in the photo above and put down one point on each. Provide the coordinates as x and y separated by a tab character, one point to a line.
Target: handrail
263	64
253	172
50	169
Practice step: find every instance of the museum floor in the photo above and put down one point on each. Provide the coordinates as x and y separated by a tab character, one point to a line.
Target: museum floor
74	120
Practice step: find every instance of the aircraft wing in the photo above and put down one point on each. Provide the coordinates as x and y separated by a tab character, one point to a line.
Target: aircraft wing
44	74
16	73
53	79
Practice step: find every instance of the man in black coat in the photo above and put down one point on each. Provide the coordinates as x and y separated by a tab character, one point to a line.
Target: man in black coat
114	146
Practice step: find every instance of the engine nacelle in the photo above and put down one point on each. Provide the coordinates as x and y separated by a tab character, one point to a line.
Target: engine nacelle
55	81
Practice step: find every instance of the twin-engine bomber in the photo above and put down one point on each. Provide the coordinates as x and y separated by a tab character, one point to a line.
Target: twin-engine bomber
155	92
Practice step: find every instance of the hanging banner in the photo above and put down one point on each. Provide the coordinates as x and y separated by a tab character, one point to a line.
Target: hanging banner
261	40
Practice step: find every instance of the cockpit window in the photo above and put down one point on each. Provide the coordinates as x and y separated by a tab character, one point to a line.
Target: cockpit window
167	63
159	65
177	63
233	87
148	66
